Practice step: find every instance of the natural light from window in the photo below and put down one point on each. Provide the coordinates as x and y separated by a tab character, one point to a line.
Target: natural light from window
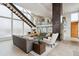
74	17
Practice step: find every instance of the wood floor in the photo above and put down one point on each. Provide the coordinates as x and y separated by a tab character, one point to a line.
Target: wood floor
64	48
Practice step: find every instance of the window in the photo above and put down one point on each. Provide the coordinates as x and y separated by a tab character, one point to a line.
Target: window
4	11
5	27
20	8
17	27
26	28
28	16
5	23
15	16
74	17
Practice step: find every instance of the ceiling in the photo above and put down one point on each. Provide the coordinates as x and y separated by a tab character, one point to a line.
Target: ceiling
70	7
41	9
45	9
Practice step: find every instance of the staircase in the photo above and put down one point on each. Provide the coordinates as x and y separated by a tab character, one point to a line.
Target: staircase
17	12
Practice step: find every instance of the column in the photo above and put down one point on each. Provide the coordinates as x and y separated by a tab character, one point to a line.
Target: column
56	17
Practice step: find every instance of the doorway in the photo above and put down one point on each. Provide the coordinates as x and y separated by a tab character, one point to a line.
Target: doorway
74	25
74	29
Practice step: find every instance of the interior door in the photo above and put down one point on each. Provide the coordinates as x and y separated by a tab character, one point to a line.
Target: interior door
74	29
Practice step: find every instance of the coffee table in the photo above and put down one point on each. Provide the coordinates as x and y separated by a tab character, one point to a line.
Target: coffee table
39	47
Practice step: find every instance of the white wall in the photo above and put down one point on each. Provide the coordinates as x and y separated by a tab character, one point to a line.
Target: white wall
70	7
67	28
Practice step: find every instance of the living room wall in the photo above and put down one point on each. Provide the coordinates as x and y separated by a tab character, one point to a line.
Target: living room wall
67	27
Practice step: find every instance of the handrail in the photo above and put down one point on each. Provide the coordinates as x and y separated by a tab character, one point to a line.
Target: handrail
29	14
19	13
25	11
